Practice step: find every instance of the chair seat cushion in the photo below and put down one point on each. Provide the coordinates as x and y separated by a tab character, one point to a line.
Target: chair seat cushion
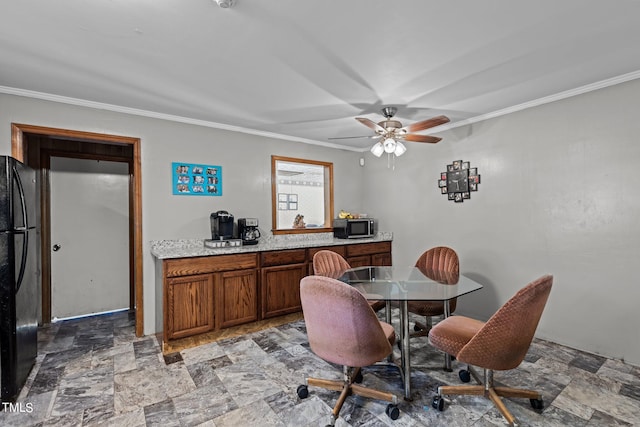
426	308
451	334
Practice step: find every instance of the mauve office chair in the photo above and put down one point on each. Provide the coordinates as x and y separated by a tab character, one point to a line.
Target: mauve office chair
329	264
343	329
500	343
441	261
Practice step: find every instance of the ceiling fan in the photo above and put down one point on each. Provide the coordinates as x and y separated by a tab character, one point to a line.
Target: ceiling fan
391	132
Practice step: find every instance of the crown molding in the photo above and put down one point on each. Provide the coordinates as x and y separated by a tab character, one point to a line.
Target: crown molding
540	101
186	120
169	117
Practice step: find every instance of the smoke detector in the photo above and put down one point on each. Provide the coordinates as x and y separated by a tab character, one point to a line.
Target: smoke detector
225	4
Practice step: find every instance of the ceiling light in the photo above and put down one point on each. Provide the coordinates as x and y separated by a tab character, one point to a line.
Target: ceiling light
377	149
389	145
400	149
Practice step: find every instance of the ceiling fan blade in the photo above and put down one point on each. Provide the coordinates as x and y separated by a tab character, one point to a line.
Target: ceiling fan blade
354	137
421	138
370	124
426	124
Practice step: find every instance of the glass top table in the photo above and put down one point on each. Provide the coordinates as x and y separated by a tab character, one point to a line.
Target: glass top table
402	284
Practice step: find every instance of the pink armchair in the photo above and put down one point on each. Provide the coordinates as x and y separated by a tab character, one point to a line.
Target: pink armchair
499	344
441	261
343	329
331	264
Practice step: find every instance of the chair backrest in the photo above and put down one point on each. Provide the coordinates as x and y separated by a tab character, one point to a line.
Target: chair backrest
439	263
329	263
341	326
503	341
439	258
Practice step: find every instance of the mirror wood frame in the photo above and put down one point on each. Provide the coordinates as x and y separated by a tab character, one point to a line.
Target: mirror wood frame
328	212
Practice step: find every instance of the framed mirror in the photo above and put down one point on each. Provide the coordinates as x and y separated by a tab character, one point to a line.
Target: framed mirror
301	195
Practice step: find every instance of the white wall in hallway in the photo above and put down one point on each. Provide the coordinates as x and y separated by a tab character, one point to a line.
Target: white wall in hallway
90	224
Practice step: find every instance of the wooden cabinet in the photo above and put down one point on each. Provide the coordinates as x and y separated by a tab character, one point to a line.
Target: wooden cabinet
236	297
281	289
189	306
381	259
361	255
201	294
280	281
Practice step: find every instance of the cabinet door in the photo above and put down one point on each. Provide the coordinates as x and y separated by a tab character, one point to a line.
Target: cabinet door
189	306
281	289
236	297
381	259
359	261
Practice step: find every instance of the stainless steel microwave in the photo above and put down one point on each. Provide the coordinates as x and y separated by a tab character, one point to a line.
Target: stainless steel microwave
354	228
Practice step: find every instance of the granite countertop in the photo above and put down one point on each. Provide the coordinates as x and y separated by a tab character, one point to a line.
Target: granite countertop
185	248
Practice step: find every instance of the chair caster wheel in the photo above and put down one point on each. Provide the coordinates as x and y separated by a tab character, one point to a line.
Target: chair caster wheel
536	403
359	378
392	411
303	391
465	375
438	403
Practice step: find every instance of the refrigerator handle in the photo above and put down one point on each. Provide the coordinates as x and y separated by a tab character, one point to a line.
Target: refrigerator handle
25	244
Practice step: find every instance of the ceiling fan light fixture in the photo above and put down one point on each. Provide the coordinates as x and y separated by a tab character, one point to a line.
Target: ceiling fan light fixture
389	145
400	149
377	149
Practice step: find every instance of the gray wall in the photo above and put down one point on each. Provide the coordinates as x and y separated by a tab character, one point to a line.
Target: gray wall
557	195
245	161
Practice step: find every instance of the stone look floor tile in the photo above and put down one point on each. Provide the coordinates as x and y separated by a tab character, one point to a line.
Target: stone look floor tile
96	372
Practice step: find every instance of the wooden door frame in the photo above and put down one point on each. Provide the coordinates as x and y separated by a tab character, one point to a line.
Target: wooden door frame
18	151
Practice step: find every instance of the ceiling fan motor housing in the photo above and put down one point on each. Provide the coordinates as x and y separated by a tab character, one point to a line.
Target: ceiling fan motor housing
390	124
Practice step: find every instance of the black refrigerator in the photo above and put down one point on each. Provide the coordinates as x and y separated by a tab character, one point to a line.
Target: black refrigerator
19	277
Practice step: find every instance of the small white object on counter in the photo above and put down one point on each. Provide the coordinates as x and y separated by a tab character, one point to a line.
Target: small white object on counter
216	244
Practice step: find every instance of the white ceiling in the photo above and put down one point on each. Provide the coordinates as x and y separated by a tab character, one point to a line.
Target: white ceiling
303	70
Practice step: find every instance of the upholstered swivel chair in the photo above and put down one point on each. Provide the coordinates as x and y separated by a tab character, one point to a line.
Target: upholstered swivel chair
343	329
442	261
331	264
499	344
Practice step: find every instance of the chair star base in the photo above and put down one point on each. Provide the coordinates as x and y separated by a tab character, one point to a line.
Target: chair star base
347	387
494	393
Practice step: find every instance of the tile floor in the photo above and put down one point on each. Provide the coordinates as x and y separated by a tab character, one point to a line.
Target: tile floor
95	372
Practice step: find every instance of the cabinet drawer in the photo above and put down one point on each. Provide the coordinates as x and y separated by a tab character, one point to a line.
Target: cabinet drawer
210	264
290	256
368	248
337	249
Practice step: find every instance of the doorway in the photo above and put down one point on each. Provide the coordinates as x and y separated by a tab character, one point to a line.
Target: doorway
89	232
34	146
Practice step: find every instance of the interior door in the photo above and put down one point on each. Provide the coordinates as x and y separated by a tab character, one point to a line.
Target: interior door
89	236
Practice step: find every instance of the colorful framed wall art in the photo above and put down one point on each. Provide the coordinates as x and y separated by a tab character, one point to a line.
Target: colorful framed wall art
190	179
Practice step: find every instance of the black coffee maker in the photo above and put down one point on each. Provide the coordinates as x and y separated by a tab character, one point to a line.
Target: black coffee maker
221	225
248	230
